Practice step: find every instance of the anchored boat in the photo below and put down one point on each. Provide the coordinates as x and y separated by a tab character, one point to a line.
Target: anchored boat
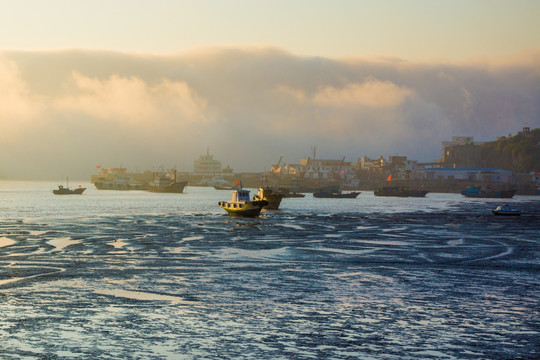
67	191
267	194
287	193
477	192
335	194
240	205
167	184
399	191
118	183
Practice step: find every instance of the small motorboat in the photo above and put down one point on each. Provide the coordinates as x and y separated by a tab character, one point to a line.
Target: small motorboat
240	205
505	210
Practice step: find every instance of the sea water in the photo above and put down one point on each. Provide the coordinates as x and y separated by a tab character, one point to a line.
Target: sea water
140	275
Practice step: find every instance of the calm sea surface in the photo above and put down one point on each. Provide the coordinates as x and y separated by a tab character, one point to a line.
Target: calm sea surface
137	275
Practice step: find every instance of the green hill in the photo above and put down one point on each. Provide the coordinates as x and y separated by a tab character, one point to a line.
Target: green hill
519	153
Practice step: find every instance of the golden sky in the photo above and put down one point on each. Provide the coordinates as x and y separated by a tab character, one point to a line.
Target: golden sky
144	84
410	29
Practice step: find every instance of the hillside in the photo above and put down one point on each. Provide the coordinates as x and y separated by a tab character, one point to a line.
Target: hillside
519	153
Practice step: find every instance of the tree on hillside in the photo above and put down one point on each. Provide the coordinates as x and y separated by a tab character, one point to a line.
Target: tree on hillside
520	153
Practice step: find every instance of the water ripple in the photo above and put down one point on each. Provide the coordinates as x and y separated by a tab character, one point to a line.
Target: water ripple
399	285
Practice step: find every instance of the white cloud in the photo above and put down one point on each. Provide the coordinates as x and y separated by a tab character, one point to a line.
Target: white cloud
372	93
145	110
17	106
131	100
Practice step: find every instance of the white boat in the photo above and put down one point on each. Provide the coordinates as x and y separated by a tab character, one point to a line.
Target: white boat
505	210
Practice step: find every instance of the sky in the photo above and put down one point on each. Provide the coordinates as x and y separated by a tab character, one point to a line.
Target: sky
144	84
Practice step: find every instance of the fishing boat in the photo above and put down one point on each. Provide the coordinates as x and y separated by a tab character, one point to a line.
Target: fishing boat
167	184
336	194
267	194
399	191
118	183
417	193
396	191
65	190
240	205
477	192
287	193
505	210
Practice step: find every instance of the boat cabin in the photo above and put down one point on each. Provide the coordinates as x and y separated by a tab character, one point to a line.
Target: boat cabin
240	196
162	181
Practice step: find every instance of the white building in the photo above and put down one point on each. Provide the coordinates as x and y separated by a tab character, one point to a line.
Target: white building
336	170
206	165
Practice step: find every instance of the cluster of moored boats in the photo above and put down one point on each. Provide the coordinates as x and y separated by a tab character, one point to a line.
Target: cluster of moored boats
270	199
266	198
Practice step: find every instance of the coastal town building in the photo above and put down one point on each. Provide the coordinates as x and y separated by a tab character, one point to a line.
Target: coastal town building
287	169
462	164
398	166
365	165
321	168
401	168
461	152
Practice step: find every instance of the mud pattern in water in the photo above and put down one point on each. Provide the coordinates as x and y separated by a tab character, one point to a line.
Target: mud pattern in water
282	286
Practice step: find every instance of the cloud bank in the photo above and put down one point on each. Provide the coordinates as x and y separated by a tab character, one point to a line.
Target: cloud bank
64	112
